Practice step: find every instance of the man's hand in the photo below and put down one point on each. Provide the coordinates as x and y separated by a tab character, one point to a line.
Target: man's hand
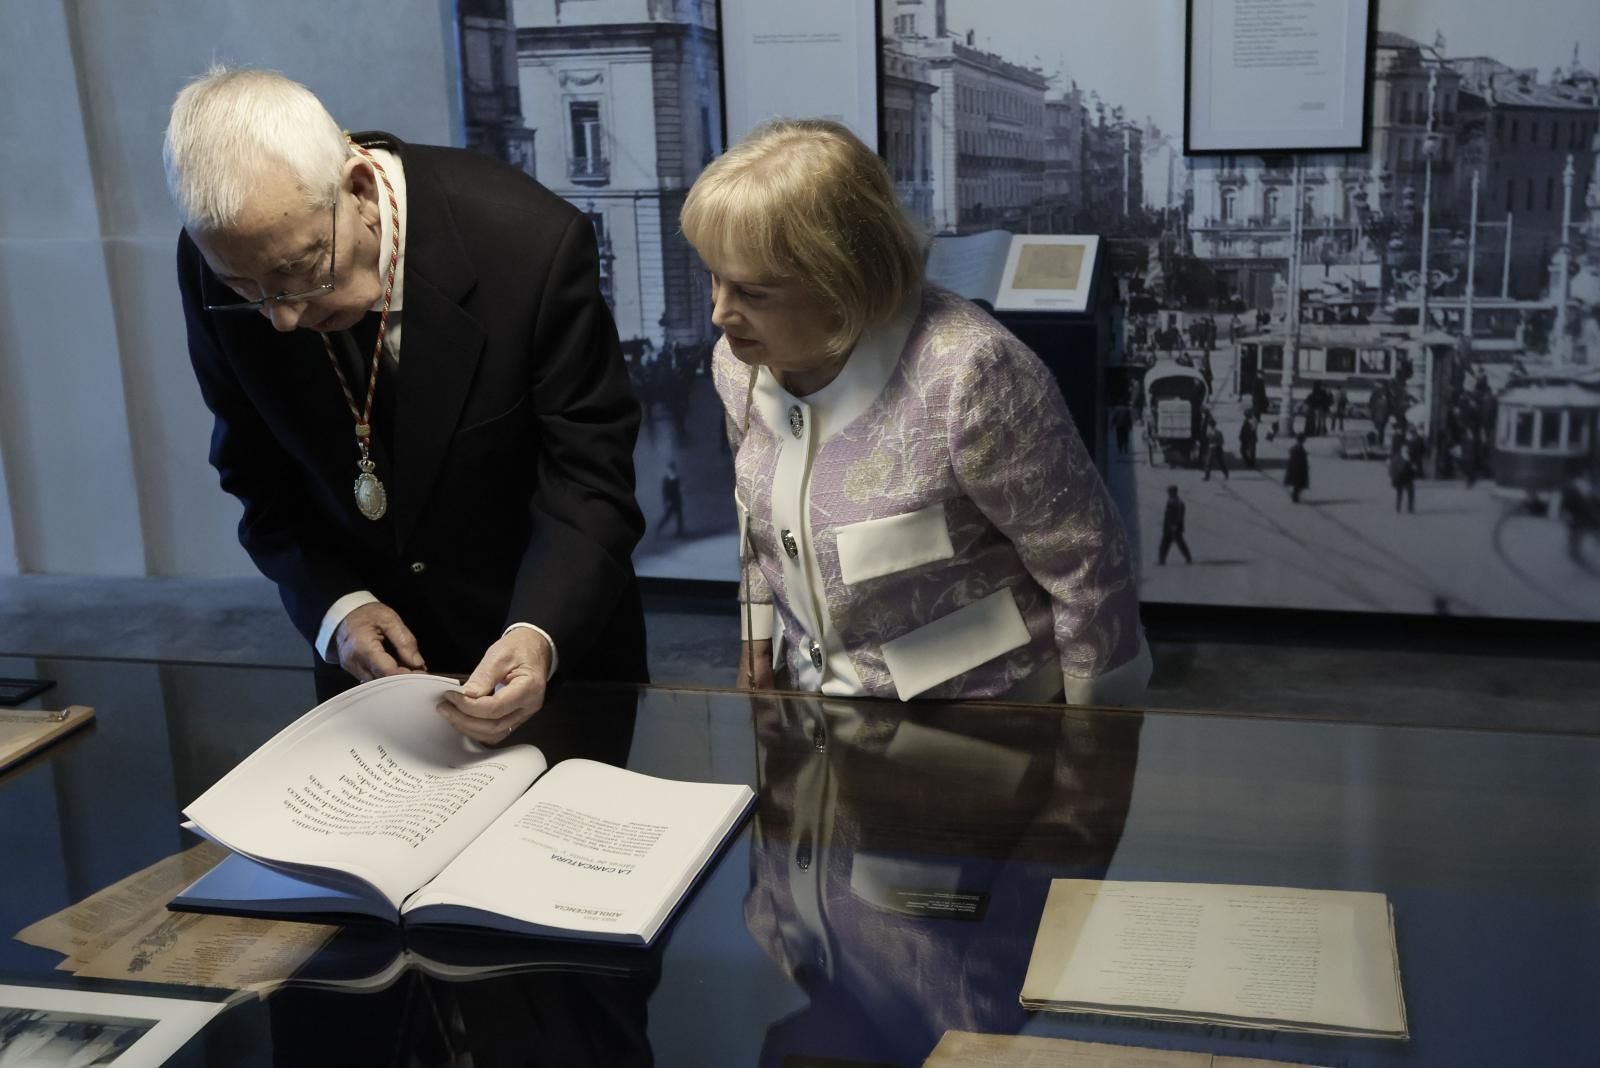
360	640
506	689
755	658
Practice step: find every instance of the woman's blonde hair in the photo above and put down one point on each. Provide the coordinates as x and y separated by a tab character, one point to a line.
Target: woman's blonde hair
805	200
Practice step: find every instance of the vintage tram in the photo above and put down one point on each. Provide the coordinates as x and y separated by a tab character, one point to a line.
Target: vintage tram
1544	436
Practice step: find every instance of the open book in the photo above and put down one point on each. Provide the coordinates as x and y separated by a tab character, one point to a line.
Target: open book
1016	272
371	805
1283	958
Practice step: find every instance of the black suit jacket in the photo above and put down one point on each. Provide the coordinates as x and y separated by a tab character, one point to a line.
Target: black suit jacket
509	464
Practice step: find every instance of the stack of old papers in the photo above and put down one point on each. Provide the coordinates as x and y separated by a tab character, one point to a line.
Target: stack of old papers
1322	961
126	932
24	732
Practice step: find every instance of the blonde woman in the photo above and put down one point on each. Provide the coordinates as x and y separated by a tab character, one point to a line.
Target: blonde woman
918	516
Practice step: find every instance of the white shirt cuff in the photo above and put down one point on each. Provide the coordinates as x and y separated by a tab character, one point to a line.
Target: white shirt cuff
755	621
334	616
1122	685
555	658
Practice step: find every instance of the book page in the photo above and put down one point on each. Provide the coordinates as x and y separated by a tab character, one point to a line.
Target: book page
374	784
970	265
591	847
967	1049
82	930
1308	957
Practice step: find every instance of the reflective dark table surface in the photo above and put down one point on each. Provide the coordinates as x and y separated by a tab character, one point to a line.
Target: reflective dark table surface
805	944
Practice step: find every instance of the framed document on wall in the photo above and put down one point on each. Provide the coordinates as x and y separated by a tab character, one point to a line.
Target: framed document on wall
1276	75
816	60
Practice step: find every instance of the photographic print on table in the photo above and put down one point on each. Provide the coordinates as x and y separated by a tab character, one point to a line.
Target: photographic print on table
45	1027
1425	313
616	106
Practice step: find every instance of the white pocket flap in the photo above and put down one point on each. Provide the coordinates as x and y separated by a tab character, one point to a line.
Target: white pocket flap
877	547
955	643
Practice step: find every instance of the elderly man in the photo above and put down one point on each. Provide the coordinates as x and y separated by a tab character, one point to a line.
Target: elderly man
419	398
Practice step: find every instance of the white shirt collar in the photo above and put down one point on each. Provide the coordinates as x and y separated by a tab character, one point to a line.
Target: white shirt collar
859	382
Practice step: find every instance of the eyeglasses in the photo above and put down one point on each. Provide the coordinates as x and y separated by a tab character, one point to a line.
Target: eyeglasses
301	295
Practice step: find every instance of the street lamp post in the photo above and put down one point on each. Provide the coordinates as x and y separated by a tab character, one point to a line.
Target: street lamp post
1561	348
1429	148
1439	377
1472	267
1505	262
1291	342
1127	151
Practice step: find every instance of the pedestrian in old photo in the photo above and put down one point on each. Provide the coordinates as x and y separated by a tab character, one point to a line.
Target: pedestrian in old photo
1247	441
1215	452
1258	403
1378	411
1416	450
1297	476
1122	423
1341	403
1402	476
1470	458
1172	528
671	498
1580	510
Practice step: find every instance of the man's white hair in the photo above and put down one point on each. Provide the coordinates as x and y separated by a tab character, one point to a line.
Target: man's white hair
230	124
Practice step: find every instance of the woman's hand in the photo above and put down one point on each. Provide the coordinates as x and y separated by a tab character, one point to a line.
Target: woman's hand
755	665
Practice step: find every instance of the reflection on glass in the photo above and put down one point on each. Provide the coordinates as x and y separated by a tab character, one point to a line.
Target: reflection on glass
899	861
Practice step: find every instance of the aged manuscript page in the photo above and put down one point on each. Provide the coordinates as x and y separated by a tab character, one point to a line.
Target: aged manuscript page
1258	956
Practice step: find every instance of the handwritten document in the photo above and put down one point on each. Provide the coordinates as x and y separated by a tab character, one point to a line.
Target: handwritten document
1254	956
1049	267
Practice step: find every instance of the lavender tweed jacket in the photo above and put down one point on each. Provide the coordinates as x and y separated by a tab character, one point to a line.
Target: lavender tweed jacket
930	524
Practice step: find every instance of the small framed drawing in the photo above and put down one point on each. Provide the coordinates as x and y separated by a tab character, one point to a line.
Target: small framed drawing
1048	272
1276	76
60	1026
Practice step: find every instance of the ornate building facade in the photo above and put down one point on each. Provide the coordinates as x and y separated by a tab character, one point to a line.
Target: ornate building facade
626	96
